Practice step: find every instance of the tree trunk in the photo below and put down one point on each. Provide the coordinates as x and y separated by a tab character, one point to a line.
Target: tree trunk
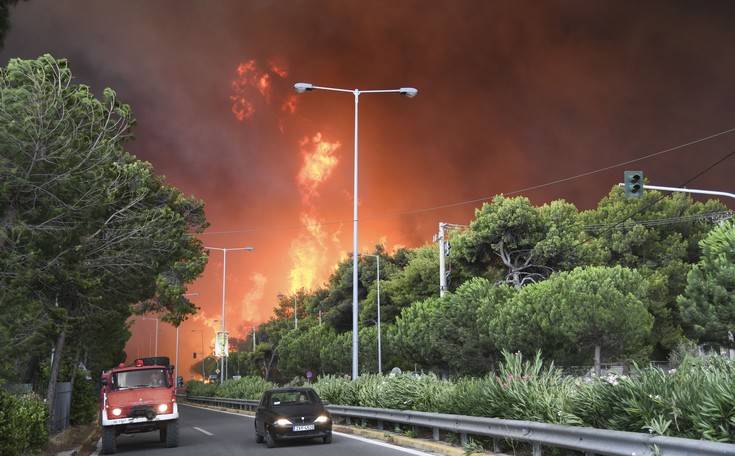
598	370
53	377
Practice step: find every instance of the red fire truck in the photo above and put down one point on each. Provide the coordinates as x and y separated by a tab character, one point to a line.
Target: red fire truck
139	398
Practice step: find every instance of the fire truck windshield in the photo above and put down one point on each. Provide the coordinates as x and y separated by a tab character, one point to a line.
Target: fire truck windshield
143	378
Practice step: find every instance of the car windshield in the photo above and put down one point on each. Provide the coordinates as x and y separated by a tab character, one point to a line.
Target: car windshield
144	378
292	398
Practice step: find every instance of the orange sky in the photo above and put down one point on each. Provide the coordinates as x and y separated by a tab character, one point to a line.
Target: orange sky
511	94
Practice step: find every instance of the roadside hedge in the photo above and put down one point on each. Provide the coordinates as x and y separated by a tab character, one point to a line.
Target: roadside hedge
22	424
696	400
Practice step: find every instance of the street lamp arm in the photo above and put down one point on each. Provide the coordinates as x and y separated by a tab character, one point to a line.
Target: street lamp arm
332	89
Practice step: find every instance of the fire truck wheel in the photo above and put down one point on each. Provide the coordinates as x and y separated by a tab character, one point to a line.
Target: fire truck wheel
109	445
172	434
162	433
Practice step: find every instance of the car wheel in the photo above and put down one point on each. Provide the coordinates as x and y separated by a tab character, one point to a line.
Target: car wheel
270	442
109	445
327	438
172	434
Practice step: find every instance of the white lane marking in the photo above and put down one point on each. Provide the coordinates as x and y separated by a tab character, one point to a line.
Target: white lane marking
349	436
384	444
202	431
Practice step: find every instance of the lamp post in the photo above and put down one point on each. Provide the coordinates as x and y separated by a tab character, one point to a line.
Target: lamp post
410	92
201	333
224	251
156	319
176	366
380	356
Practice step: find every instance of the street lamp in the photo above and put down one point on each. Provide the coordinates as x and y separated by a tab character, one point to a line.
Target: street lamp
156	319
224	281
409	92
176	366
201	333
380	356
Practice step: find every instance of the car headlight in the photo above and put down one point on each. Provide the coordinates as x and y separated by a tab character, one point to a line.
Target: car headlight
162	408
116	411
321	419
282	422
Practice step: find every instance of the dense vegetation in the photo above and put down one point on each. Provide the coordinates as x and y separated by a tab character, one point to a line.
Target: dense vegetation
89	234
22	423
695	400
624	282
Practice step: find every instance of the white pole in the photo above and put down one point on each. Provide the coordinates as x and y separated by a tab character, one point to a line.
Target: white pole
253	339
176	366
224	276
442	261
380	356
355	314
295	314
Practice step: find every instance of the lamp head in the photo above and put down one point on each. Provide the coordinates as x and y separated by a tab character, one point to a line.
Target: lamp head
302	87
410	92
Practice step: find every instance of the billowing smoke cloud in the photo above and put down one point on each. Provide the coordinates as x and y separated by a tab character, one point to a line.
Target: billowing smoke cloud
511	94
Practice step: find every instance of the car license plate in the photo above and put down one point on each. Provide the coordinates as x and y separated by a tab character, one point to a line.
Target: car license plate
303	427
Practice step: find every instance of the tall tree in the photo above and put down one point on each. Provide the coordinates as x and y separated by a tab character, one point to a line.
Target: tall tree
86	227
574	315
528	242
708	302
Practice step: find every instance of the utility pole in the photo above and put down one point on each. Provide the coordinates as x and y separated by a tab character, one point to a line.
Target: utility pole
440	238
224	250
444	249
253	339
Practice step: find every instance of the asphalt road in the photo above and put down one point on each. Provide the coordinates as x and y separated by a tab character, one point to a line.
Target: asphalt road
214	433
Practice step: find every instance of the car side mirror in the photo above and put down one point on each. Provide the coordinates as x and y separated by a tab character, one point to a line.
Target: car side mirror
104	382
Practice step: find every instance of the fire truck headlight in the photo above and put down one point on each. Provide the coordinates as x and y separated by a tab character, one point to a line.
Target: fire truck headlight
116	411
162	408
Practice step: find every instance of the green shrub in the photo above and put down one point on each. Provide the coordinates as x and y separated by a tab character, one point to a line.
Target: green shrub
336	389
243	388
197	388
22	424
84	401
697	400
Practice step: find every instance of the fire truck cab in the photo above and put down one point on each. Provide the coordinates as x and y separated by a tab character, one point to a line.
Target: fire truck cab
139	398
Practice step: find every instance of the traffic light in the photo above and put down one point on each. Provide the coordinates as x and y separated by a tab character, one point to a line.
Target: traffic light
195	355
633	184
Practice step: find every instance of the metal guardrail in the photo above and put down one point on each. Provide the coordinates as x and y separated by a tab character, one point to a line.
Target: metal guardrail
591	441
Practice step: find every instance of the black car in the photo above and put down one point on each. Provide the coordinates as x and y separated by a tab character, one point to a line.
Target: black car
291	413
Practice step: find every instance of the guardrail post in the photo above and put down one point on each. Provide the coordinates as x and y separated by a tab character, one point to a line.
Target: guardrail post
496	446
363	422
435	434
463	440
348	421
536	449
380	425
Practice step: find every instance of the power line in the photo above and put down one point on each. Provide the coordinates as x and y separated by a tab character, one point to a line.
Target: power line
710	216
487	198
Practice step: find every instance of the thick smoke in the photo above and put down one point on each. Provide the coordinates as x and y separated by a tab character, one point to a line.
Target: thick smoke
511	94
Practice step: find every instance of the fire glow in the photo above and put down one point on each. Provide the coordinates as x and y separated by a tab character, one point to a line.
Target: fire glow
309	251
249	82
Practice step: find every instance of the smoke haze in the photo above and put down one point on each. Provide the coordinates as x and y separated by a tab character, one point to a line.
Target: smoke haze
511	94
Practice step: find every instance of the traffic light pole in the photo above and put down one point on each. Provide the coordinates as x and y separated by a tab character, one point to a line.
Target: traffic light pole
686	190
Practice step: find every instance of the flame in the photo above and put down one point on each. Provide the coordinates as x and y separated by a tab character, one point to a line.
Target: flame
289	105
319	161
277	69
251	80
309	251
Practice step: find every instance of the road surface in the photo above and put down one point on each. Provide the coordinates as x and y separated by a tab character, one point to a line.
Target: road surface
214	433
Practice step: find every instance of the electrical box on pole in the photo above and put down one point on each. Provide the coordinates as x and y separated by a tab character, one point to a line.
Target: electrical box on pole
633	181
